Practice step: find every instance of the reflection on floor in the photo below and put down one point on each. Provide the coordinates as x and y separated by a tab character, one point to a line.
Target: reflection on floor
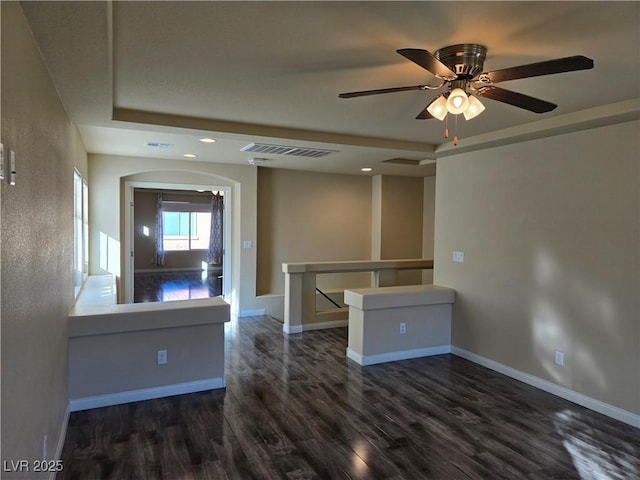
168	286
296	408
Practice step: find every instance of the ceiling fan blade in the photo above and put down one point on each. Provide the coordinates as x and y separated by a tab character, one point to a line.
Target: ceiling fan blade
549	67
381	90
429	62
424	114
516	99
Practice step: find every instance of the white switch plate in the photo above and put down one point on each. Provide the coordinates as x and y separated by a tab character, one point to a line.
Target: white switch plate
162	357
458	257
247	244
1	161
559	358
12	167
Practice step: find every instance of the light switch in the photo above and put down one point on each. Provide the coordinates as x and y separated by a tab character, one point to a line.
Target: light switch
247	244
458	257
12	167
1	161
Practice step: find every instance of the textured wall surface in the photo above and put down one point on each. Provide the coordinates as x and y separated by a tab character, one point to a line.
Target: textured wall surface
311	217
37	247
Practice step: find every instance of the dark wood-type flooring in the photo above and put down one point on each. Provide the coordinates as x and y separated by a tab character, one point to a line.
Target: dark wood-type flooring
168	286
296	408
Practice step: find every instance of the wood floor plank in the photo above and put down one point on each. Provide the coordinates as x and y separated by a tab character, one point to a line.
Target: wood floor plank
296	408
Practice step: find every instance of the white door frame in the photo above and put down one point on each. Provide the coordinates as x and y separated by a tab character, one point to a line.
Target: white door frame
129	186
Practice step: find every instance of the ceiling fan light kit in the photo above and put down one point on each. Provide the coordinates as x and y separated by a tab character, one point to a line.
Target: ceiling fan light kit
457	101
438	108
460	67
474	109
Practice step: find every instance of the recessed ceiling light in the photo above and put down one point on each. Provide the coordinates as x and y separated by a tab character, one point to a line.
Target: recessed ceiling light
366	169
190	155
207	140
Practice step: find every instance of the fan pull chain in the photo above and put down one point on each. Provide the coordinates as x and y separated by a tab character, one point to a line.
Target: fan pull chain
446	126
455	137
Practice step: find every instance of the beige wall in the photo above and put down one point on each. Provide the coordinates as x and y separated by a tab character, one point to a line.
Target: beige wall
37	247
401	232
550	233
398	224
144	216
311	217
429	214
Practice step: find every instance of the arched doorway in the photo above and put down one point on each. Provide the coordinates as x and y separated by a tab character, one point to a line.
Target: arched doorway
131	227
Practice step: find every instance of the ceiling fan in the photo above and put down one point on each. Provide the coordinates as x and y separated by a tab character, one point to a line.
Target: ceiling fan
460	69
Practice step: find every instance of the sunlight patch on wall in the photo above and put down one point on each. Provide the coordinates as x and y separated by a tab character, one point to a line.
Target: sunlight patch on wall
109	249
549	335
566	302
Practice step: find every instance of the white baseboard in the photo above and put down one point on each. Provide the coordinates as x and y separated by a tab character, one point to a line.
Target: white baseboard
323	325
395	356
252	313
289	329
558	390
106	400
61	438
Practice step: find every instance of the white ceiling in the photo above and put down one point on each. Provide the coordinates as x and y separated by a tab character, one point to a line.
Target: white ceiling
242	72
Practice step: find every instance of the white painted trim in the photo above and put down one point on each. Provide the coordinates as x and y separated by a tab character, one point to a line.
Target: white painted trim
324	325
289	329
252	313
553	388
395	356
106	400
61	438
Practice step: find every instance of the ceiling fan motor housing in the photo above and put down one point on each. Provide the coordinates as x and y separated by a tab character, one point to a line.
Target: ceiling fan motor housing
465	59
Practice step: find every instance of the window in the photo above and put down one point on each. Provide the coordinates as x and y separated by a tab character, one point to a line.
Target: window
186	230
80	231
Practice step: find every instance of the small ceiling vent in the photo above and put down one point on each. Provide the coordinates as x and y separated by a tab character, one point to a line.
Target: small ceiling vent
158	145
410	161
286	150
257	161
403	161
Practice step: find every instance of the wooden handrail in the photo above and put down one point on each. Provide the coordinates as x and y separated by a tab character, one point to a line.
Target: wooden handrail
300	288
357	266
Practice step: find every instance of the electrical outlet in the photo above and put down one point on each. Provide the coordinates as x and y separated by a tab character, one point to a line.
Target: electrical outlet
559	358
162	357
403	328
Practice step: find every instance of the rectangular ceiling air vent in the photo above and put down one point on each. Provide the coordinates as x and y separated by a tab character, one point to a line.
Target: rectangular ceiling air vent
158	145
286	150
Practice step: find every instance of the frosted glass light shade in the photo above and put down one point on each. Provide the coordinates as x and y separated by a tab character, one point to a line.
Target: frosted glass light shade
457	101
474	109
438	108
